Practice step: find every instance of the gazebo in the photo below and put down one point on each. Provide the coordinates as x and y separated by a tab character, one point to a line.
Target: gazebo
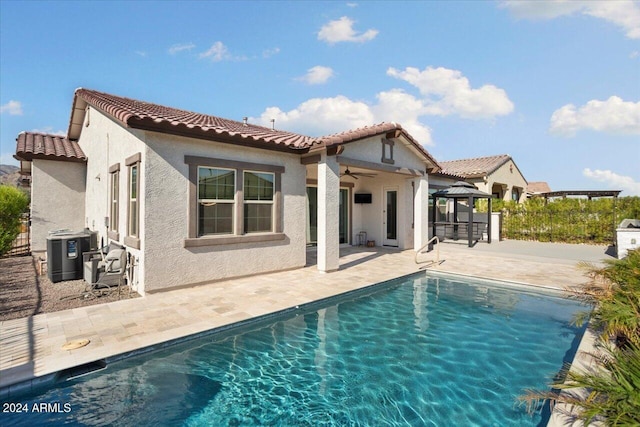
455	229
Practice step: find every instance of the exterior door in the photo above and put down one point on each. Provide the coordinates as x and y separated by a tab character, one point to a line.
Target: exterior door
312	216
390	217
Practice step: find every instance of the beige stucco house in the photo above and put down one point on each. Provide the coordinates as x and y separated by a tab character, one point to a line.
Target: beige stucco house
496	175
195	198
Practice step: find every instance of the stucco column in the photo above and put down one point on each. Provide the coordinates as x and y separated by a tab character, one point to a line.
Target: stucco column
328	213
421	213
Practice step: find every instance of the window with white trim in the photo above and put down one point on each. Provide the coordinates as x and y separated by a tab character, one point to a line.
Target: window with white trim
258	201
216	200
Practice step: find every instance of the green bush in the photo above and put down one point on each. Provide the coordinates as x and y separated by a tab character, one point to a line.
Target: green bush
567	220
13	203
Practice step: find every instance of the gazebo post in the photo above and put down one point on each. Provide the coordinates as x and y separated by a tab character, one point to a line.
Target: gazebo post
433	215
489	218
470	222
455	219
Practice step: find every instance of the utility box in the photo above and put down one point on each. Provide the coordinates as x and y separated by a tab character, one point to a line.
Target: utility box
64	253
627	237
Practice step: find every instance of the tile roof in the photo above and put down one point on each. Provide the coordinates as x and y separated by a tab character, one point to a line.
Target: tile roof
538	187
144	115
32	145
476	167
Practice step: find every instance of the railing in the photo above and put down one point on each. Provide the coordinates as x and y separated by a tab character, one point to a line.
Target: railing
21	245
420	251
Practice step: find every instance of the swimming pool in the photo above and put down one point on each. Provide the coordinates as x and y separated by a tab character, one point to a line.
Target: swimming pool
419	351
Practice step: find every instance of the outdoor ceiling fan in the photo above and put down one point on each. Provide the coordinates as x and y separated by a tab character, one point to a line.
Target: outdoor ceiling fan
355	175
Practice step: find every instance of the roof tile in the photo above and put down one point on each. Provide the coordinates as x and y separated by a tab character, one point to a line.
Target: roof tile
135	113
30	145
476	167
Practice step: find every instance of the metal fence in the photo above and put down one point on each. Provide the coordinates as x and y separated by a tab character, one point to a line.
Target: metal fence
560	226
21	245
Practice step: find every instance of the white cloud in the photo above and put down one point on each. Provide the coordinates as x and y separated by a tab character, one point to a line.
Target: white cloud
317	75
324	116
634	54
176	48
442	92
448	92
320	116
341	30
623	13
268	53
612	116
217	52
614	181
141	53
400	107
49	130
13	108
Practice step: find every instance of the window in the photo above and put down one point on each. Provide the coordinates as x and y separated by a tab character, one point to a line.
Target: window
114	178
387	151
233	202
258	201
133	208
216	200
133	201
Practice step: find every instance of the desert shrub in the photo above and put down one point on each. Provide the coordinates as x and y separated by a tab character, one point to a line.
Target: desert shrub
13	203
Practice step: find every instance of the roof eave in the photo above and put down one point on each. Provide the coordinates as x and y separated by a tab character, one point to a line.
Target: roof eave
29	157
78	111
210	135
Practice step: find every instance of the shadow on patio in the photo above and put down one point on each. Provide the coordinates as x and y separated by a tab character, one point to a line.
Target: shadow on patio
351	256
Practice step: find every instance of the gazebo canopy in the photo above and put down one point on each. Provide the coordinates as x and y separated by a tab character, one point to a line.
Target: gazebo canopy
462	190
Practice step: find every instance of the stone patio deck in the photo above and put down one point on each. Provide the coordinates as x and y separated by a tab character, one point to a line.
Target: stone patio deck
31	348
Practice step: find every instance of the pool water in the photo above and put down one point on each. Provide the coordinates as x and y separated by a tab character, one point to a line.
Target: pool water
423	352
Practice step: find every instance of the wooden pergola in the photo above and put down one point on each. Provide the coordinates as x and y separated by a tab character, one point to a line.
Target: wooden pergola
453	229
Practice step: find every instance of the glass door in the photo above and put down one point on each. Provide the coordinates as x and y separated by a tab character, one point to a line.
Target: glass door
390	217
344	215
312	216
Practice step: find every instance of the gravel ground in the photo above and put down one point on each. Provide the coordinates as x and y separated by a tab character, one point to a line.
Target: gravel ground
24	293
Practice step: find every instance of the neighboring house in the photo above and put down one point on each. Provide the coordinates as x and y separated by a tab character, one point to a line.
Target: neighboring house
496	175
196	198
537	188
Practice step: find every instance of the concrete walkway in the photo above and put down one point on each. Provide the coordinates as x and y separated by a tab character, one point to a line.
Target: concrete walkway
31	348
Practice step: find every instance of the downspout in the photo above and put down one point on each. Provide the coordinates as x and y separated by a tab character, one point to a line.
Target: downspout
107	218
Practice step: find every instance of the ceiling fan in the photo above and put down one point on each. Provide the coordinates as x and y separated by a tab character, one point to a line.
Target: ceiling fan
355	175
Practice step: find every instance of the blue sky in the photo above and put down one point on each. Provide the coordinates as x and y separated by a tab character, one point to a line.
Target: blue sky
554	84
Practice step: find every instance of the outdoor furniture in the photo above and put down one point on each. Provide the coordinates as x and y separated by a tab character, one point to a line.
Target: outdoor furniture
362	238
105	270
